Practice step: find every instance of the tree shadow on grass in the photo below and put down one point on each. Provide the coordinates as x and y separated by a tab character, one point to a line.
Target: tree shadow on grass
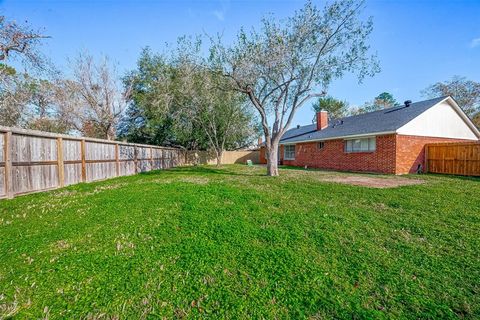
208	170
454	177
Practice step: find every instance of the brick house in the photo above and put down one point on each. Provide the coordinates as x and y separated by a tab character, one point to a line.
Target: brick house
386	141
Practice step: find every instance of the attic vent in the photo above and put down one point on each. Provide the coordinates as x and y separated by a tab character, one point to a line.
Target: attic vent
408	103
298	126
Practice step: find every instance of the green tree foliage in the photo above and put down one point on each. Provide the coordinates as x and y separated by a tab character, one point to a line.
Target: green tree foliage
176	101
336	108
384	100
152	113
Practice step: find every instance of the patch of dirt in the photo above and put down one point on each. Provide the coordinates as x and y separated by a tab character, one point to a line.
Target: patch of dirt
109	187
65	193
374	182
196	180
62	244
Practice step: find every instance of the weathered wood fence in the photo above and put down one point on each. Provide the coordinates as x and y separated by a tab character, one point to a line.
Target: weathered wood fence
32	161
229	157
453	158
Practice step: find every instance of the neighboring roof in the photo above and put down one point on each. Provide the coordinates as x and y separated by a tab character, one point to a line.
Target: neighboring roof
382	121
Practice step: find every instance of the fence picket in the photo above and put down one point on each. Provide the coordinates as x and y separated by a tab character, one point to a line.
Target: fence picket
461	158
60	163
36	161
8	165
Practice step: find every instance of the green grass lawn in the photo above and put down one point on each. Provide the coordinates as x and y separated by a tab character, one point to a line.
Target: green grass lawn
232	243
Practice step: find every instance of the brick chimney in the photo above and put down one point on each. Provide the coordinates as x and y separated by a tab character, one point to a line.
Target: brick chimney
322	120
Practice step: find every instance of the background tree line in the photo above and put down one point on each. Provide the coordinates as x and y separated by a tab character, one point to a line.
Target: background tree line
202	93
172	100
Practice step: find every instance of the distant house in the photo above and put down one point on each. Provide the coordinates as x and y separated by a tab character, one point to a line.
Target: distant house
386	141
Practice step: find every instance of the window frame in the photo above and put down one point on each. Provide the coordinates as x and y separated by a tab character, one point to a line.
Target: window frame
287	154
357	145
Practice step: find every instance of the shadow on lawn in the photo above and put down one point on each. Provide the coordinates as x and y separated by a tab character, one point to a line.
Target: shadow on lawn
207	170
454	177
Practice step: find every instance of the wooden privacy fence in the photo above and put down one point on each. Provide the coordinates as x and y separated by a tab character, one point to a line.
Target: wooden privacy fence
453	158
32	161
229	157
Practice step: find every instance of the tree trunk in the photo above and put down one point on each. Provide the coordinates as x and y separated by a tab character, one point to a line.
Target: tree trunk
272	160
110	133
219	155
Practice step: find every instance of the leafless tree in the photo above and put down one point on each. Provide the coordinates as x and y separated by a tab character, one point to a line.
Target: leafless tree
46	109
94	98
465	92
21	41
15	95
286	63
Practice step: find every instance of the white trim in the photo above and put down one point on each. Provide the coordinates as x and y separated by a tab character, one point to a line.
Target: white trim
353	136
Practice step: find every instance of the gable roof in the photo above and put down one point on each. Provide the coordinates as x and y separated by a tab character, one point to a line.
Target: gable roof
376	122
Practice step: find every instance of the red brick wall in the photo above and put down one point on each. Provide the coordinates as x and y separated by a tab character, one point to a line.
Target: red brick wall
397	154
263	158
411	152
334	157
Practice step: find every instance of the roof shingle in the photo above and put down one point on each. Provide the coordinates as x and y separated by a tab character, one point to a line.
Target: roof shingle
386	120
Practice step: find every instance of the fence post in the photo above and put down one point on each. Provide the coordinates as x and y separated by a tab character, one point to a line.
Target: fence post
84	165
151	158
8	164
117	162
135	158
60	164
426	158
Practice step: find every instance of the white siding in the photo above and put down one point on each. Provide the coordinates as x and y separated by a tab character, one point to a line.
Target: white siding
442	121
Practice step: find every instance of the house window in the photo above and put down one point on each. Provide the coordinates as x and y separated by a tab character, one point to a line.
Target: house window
320	145
360	145
289	152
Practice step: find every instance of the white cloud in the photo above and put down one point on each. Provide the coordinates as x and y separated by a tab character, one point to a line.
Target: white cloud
475	43
219	14
222	11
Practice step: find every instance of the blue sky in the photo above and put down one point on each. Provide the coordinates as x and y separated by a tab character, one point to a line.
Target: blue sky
418	42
